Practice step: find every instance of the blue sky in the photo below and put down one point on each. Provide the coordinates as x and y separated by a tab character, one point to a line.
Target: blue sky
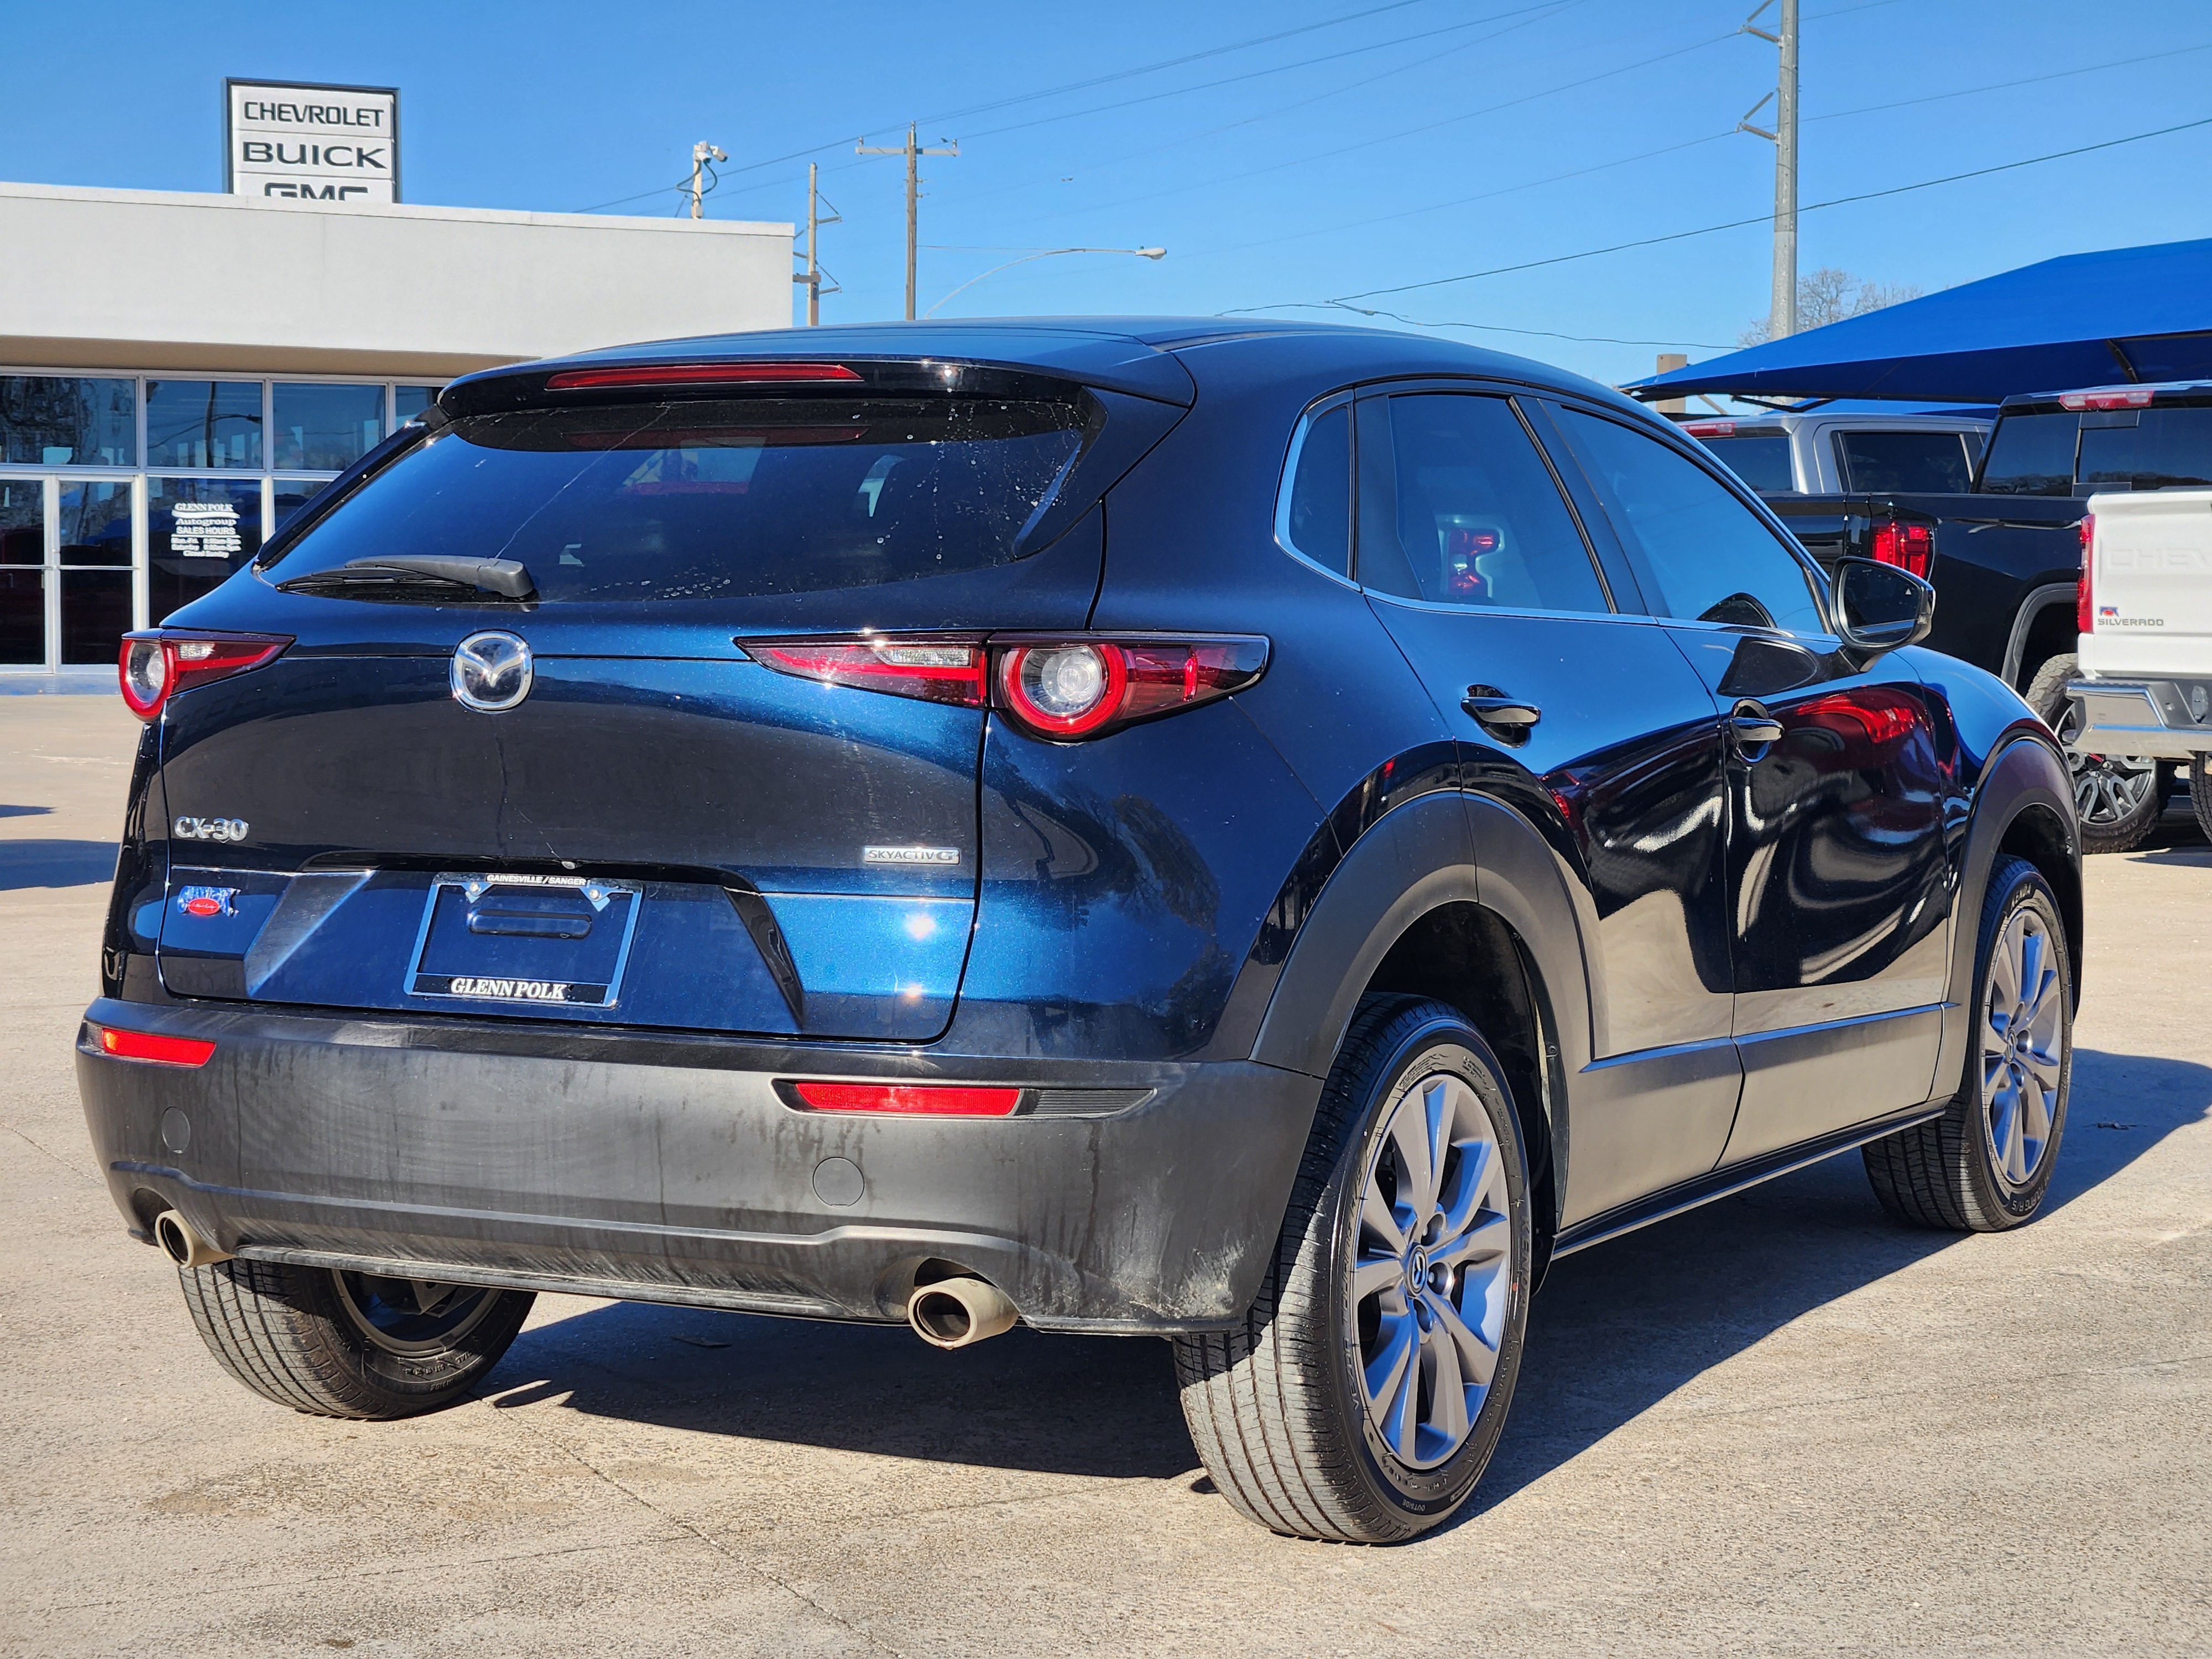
1376	145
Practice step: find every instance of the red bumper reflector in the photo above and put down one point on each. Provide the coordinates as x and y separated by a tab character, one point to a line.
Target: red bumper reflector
150	1045
595	380
919	1099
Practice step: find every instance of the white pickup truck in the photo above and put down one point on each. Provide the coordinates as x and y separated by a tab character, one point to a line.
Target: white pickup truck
2145	678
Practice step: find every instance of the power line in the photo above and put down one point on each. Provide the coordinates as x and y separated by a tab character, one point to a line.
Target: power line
2006	86
1732	224
1500	328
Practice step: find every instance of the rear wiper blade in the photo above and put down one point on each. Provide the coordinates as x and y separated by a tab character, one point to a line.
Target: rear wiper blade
508	578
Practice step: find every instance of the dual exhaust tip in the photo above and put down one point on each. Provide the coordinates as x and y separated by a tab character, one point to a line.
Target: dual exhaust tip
959	1313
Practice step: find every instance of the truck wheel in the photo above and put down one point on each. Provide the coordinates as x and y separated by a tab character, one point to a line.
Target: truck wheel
346	1344
2117	797
2200	793
1363	1393
1985	1165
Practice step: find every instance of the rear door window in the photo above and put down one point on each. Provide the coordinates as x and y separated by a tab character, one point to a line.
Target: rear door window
1700	554
2032	455
714	500
2147	449
1930	463
1761	460
1473	515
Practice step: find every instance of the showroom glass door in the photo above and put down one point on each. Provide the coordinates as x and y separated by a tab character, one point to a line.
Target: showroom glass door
22	572
65	570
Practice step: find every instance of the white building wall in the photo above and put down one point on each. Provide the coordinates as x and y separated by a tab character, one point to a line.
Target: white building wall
159	280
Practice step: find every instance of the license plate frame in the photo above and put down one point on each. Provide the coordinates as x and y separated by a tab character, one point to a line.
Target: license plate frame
513	990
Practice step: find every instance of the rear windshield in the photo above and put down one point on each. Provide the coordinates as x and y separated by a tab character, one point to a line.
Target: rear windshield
712	499
1761	461
2146	449
2032	455
1932	463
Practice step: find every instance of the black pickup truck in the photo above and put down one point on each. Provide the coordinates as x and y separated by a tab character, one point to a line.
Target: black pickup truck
2005	556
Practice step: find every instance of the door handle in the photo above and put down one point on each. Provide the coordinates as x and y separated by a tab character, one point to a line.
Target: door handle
1751	727
1503	717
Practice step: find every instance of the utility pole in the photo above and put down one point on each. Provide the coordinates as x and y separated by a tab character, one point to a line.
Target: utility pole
702	152
914	154
1783	319
811	278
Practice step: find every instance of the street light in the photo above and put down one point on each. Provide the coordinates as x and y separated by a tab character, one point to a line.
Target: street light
1047	253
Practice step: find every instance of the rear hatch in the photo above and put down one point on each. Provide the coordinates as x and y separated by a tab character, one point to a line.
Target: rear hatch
664	829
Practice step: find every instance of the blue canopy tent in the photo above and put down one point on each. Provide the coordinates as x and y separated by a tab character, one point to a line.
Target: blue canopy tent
2128	314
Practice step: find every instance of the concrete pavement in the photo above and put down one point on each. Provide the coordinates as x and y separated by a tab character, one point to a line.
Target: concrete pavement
1780	1425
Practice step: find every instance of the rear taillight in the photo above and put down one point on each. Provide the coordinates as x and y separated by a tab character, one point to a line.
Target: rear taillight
909	1099
2118	396
2085	599
938	671
698	375
152	1046
156	665
1063	688
1908	546
1710	428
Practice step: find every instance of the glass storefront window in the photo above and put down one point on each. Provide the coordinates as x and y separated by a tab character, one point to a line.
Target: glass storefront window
22	521
95	614
48	420
409	401
325	427
22	616
197	531
213	424
292	494
96	524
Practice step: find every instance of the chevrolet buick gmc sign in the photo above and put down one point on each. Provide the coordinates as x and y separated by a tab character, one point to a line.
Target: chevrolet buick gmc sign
330	146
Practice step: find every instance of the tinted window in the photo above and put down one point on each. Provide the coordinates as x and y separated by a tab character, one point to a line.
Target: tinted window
324	429
50	421
1479	519
1317	519
1933	462
96	524
1700	553
2032	455
1761	462
2163	448
714	500
203	423
409	401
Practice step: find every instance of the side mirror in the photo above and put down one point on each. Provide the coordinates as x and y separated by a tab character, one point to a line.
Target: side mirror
1880	607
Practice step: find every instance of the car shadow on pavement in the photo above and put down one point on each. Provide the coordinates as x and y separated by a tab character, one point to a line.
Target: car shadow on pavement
55	863
1614	1331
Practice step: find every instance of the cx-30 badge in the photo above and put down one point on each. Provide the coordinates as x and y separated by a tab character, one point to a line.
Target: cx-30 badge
189	829
491	671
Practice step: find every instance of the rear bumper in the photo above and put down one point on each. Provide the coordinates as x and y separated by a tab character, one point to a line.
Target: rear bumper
2156	718
670	1171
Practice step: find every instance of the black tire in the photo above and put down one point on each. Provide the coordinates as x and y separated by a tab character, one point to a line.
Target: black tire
2200	793
349	1345
1277	1406
2118	798
1946	1174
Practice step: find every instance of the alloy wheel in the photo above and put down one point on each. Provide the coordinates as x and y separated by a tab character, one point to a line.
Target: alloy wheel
410	1316
2023	1051
2107	788
1433	1272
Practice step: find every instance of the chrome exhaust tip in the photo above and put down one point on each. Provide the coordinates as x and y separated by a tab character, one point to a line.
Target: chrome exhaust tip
185	1247
959	1313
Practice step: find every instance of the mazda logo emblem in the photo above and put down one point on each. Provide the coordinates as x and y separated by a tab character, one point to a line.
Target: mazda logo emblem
491	671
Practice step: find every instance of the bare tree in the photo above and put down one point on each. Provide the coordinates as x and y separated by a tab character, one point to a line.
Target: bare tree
1829	296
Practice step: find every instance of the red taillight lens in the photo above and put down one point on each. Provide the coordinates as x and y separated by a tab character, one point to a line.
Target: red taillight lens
1710	428
693	374
938	671
1067	689
1908	546
154	667
150	1045
912	1099
2085	598
2119	396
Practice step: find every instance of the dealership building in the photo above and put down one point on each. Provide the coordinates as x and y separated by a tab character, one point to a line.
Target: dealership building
179	372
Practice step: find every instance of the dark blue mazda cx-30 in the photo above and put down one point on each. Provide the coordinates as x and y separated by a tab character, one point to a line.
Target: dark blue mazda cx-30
1261	836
